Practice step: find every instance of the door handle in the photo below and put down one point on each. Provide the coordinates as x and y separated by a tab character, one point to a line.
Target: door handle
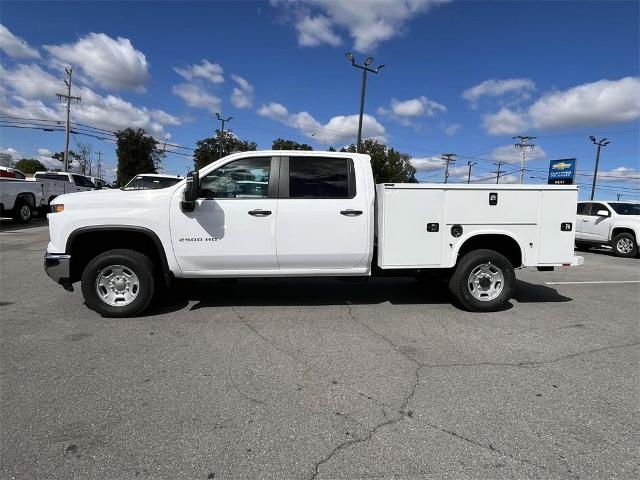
350	213
259	213
585	219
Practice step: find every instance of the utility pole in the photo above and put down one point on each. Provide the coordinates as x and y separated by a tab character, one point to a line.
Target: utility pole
469	164
499	164
223	121
365	68
522	146
68	97
602	143
618	195
99	163
448	158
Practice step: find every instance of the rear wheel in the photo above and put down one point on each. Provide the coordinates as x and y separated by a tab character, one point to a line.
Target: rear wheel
119	283
22	211
624	245
483	281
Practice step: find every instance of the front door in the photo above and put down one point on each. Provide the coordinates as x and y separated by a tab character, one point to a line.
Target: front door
323	214
232	228
596	227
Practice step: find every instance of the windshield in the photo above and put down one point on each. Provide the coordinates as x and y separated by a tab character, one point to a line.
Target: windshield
626	208
150	183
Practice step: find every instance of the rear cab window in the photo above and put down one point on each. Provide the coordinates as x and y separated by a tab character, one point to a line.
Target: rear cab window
320	177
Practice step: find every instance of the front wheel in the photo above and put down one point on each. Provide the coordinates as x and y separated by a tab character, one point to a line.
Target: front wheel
22	211
483	281
118	283
624	245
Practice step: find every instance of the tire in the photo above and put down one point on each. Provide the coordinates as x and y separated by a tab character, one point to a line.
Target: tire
119	283
483	266
22	211
625	245
582	246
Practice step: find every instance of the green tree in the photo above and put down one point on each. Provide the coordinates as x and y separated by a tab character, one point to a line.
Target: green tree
282	144
211	149
388	164
137	153
73	157
30	165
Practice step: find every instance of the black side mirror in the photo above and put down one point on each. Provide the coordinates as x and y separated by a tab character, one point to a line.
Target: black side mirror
191	192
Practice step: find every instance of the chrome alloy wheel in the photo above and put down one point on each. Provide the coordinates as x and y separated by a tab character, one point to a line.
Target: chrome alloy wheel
117	285
25	212
624	245
485	282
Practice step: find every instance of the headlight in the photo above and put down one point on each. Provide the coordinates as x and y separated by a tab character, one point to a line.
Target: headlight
57	208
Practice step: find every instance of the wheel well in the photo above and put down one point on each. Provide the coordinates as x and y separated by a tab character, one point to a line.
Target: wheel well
31	199
83	246
503	244
619	230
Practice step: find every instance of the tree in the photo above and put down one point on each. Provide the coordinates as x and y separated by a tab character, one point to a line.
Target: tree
282	144
137	153
73	157
211	149
388	164
30	165
85	159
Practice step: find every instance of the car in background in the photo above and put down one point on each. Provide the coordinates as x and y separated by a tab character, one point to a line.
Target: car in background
75	182
101	183
8	172
152	181
616	224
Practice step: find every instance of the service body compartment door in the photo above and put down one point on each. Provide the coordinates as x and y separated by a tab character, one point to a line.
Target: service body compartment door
411	227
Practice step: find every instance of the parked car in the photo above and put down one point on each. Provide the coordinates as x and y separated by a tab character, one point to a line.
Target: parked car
8	172
616	224
152	181
101	183
320	215
19	198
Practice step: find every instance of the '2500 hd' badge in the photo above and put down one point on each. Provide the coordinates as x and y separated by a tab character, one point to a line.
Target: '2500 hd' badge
199	239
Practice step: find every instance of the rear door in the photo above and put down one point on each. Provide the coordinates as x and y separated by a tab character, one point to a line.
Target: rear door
323	218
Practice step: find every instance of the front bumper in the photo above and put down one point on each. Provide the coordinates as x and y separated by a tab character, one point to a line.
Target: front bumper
58	268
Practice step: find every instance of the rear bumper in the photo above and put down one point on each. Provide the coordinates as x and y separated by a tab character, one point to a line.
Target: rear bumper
58	267
576	261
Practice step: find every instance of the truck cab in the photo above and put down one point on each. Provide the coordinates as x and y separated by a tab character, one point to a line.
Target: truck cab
305	214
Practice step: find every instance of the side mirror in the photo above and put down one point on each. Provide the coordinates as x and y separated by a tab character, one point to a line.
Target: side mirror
602	213
191	192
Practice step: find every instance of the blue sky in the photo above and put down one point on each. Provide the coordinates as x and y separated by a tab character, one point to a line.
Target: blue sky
460	77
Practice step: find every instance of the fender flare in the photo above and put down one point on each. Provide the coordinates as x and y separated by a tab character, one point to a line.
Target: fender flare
465	238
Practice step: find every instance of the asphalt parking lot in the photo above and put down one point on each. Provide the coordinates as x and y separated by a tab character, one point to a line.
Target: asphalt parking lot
321	379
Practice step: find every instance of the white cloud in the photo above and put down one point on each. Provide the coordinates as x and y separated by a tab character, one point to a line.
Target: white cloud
623	174
414	107
427	164
510	154
316	31
242	95
368	22
505	122
15	46
452	129
338	129
45	151
111	63
15	154
196	96
210	72
497	88
591	104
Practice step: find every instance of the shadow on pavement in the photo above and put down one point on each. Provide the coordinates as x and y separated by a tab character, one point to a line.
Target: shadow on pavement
8	225
329	291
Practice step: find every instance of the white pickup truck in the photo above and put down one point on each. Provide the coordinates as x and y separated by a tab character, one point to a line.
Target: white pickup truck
305	214
20	198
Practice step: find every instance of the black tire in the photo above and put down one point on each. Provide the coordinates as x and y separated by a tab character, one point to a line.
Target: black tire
625	245
582	246
22	211
132	260
461	290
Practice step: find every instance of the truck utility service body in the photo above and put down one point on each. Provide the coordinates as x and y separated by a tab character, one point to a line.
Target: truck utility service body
295	213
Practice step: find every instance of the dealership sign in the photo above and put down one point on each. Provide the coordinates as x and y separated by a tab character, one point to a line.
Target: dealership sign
562	172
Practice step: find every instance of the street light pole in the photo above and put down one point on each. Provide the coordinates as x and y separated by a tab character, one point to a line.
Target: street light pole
365	68
469	164
602	143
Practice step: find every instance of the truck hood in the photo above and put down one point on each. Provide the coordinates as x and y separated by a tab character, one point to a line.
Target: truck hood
105	197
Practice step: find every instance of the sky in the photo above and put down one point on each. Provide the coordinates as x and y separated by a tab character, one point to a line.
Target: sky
460	77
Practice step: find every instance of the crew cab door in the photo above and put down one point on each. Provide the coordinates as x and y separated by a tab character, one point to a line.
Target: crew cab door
323	215
595	227
232	228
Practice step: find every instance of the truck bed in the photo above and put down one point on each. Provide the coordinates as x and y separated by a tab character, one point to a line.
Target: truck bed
415	222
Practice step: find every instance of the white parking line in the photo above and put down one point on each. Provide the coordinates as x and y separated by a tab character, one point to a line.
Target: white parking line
597	282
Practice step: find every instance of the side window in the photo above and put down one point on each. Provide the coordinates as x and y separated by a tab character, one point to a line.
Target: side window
81	181
245	178
583	209
596	207
19	175
317	177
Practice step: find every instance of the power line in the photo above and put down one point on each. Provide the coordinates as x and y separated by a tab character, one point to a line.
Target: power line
448	158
